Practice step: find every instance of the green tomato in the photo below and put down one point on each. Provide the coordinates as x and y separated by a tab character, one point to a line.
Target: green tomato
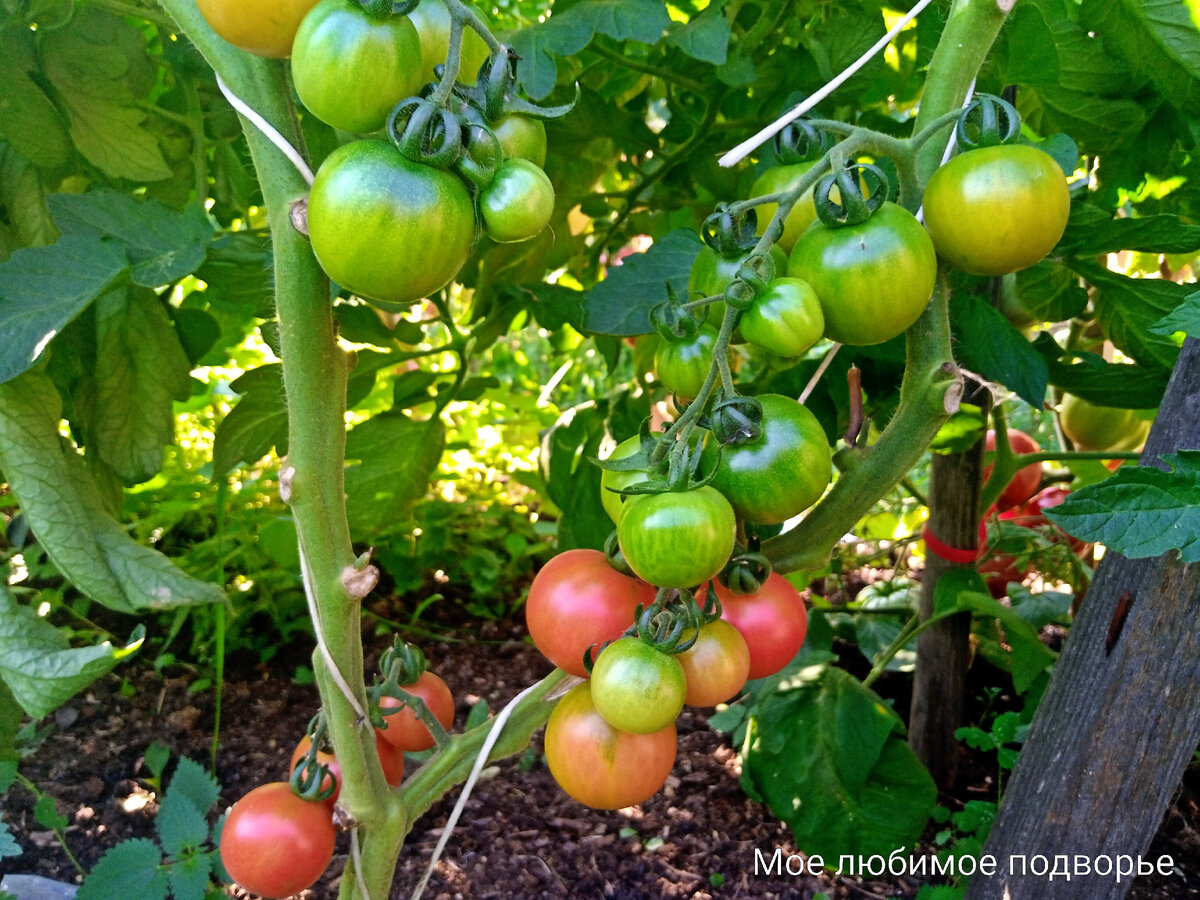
804	212
873	279
350	70
521	137
432	20
612	480
1093	427
679	538
682	366
786	320
386	228
996	210
518	203
637	688
711	273
781	473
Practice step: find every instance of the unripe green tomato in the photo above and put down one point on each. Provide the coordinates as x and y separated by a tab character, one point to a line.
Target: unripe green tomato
786	320
433	25
518	203
612	479
873	279
522	137
995	210
678	538
779	474
1092	427
776	180
350	70
711	273
682	366
637	688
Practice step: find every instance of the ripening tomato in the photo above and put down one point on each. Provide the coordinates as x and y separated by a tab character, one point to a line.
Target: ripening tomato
772	620
995	210
263	27
873	280
404	730
1028	478
276	844
636	687
390	758
598	765
716	666
1094	427
578	600
677	539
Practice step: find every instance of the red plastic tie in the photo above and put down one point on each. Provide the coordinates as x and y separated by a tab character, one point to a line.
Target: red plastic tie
953	554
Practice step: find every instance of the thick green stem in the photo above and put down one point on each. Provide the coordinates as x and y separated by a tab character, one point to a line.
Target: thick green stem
870	472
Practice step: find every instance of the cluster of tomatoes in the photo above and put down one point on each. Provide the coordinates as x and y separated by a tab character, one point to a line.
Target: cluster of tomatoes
279	838
393	219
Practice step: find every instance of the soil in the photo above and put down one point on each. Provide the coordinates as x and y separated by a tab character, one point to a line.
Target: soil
520	836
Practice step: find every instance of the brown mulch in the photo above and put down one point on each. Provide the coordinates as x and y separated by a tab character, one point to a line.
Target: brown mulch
520	836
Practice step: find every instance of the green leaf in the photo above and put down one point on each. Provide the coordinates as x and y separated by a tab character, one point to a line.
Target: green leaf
1185	317
1006	356
64	508
40	668
23	196
1042	608
258	422
44	288
1026	50
141	370
1006	726
198	332
826	755
1089	235
1128	309
621	303
162	244
86	66
156	756
132	868
8	844
193	783
572	480
875	633
1090	376
396	456
29	119
1157	39
180	825
190	877
412	388
562	35
1141	511
975	738
624	20
705	37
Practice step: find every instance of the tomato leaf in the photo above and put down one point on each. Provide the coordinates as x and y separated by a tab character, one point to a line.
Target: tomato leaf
859	789
621	303
1089	234
537	45
1090	376
65	510
1185	317
29	119
1026	53
37	664
572	481
705	37
1128	309
44	288
133	868
162	245
1005	356
391	459
258	422
1141	511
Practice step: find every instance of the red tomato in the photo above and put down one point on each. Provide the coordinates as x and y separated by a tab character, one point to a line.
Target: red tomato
999	571
1027	480
276	844
577	600
772	621
716	666
404	730
598	765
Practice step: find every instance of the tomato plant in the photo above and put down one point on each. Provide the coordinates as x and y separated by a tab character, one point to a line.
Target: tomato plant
1094	427
711	273
276	844
387	228
782	472
772	620
263	27
786	319
577	600
1028	479
518	203
716	666
994	210
776	180
404	730
339	43
873	279
637	687
679	538
598	765
683	365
